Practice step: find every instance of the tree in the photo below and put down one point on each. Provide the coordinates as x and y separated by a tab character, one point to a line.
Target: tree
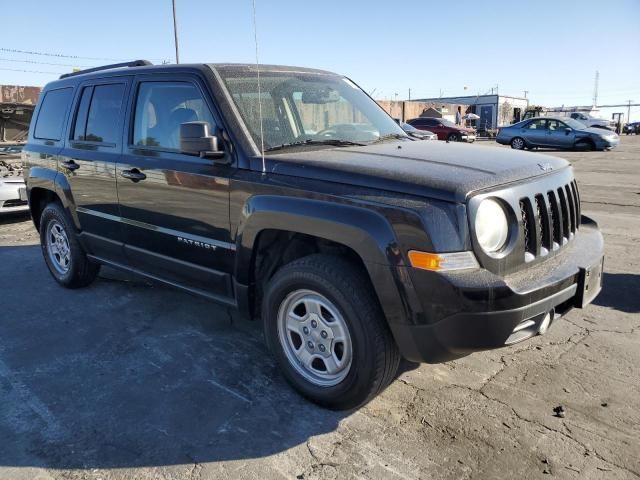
506	113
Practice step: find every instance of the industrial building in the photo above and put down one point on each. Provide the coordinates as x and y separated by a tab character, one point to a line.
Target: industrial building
493	110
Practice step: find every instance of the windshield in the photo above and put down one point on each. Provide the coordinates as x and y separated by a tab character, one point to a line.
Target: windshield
447	123
307	109
576	125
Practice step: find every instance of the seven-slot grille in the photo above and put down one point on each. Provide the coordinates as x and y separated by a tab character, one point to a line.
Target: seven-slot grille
549	220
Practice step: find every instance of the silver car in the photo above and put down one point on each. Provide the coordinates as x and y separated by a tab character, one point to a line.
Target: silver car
553	132
12	191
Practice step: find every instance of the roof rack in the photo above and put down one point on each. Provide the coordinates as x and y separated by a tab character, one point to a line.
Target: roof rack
135	63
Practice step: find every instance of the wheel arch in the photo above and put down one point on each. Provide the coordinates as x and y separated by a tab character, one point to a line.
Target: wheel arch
44	186
288	228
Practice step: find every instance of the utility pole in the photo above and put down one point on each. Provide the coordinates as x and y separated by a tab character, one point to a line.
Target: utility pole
525	93
629	110
409	94
175	30
595	88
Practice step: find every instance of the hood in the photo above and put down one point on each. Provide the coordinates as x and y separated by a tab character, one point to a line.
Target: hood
597	131
447	171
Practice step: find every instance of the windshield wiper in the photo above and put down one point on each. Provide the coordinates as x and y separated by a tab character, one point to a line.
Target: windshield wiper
330	142
391	136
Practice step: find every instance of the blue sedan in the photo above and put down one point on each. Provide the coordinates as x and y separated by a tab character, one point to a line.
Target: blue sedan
550	132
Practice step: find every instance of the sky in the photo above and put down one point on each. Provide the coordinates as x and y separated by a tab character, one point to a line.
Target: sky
550	48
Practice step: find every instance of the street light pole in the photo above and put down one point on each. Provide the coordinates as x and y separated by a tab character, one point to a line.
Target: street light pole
175	30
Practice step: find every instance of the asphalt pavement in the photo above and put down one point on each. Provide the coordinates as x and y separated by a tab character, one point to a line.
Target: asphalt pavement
127	379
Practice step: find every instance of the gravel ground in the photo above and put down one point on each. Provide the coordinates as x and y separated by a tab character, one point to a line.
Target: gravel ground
129	380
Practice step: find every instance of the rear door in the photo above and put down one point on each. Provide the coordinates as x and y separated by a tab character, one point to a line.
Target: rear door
535	132
174	207
88	161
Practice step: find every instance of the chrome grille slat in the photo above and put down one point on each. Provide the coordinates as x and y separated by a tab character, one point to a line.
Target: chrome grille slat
542	217
572	208
564	212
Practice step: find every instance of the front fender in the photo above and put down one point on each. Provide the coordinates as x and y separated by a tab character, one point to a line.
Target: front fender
365	231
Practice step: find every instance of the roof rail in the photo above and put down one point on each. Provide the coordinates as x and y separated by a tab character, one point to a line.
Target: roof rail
135	63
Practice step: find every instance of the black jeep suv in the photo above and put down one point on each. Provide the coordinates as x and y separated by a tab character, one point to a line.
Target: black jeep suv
291	195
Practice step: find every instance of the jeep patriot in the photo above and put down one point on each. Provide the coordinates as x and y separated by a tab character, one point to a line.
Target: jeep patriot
289	194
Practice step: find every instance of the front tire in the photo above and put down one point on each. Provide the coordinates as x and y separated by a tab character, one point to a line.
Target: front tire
518	143
63	254
453	137
328	333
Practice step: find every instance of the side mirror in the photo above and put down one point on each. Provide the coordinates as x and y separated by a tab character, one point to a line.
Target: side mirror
567	130
195	140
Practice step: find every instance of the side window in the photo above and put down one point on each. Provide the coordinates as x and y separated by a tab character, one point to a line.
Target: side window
81	117
52	114
537	124
160	109
556	125
104	113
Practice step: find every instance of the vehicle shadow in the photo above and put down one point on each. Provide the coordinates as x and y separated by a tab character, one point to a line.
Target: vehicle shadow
128	374
621	292
14	217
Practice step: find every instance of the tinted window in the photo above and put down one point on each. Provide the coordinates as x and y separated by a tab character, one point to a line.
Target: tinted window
104	113
81	116
52	114
160	109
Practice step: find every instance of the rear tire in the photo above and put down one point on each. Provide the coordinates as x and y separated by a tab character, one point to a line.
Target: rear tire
327	331
518	143
63	254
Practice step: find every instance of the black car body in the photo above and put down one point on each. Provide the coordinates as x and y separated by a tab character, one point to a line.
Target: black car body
224	220
630	128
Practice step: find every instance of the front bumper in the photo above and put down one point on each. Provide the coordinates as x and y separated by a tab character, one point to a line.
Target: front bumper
602	143
10	200
467	311
468	137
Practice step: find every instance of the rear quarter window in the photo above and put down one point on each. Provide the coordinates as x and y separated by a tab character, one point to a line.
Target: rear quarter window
52	115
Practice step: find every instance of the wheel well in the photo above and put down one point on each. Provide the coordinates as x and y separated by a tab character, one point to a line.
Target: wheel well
275	248
38	200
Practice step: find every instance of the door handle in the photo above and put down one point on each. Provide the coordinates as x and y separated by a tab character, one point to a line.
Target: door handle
134	175
70	165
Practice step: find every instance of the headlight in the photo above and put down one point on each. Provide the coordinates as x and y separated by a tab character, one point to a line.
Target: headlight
492	227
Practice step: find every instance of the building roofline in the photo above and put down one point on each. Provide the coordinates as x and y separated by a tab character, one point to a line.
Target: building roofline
444	99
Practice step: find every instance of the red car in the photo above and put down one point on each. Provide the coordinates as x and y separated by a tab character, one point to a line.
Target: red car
445	129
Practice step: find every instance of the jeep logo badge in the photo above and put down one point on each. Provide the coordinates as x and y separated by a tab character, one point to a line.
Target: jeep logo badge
545	167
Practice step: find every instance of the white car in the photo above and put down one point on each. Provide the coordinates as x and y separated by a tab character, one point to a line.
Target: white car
12	187
588	120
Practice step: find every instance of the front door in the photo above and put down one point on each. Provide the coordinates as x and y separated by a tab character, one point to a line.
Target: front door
559	134
94	145
486	117
174	207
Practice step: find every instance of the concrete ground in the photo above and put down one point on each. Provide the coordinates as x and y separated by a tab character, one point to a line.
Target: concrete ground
129	380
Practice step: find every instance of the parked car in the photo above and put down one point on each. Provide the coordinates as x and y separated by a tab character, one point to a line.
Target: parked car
419	134
11	180
553	132
444	129
351	253
589	120
633	127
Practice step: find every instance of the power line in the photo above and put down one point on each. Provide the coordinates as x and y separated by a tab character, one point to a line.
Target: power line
3	59
62	55
59	55
31	71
